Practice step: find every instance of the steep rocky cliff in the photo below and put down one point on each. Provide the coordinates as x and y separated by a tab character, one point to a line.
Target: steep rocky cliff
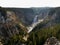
10	25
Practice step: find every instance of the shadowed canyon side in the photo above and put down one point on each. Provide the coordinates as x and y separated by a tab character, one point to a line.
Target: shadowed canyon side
30	26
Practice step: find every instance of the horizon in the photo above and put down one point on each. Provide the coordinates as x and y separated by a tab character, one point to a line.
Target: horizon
30	7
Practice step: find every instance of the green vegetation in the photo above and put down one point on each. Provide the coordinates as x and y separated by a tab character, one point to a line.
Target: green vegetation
37	37
15	38
40	35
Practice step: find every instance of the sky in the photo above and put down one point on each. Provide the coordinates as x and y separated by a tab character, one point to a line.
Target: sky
30	3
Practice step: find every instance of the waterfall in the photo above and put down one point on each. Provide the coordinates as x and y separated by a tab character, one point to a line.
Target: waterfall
35	19
34	23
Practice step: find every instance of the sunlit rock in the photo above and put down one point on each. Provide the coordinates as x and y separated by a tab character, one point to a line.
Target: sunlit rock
52	41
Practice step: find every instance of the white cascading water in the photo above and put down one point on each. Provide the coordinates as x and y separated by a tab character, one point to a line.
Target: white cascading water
35	19
34	23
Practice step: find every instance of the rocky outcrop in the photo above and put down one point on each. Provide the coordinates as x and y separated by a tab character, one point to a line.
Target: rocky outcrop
52	41
10	24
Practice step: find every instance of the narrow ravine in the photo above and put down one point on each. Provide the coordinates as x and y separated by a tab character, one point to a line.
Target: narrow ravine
34	23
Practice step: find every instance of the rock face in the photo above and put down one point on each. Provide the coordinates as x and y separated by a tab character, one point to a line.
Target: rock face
52	41
9	24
